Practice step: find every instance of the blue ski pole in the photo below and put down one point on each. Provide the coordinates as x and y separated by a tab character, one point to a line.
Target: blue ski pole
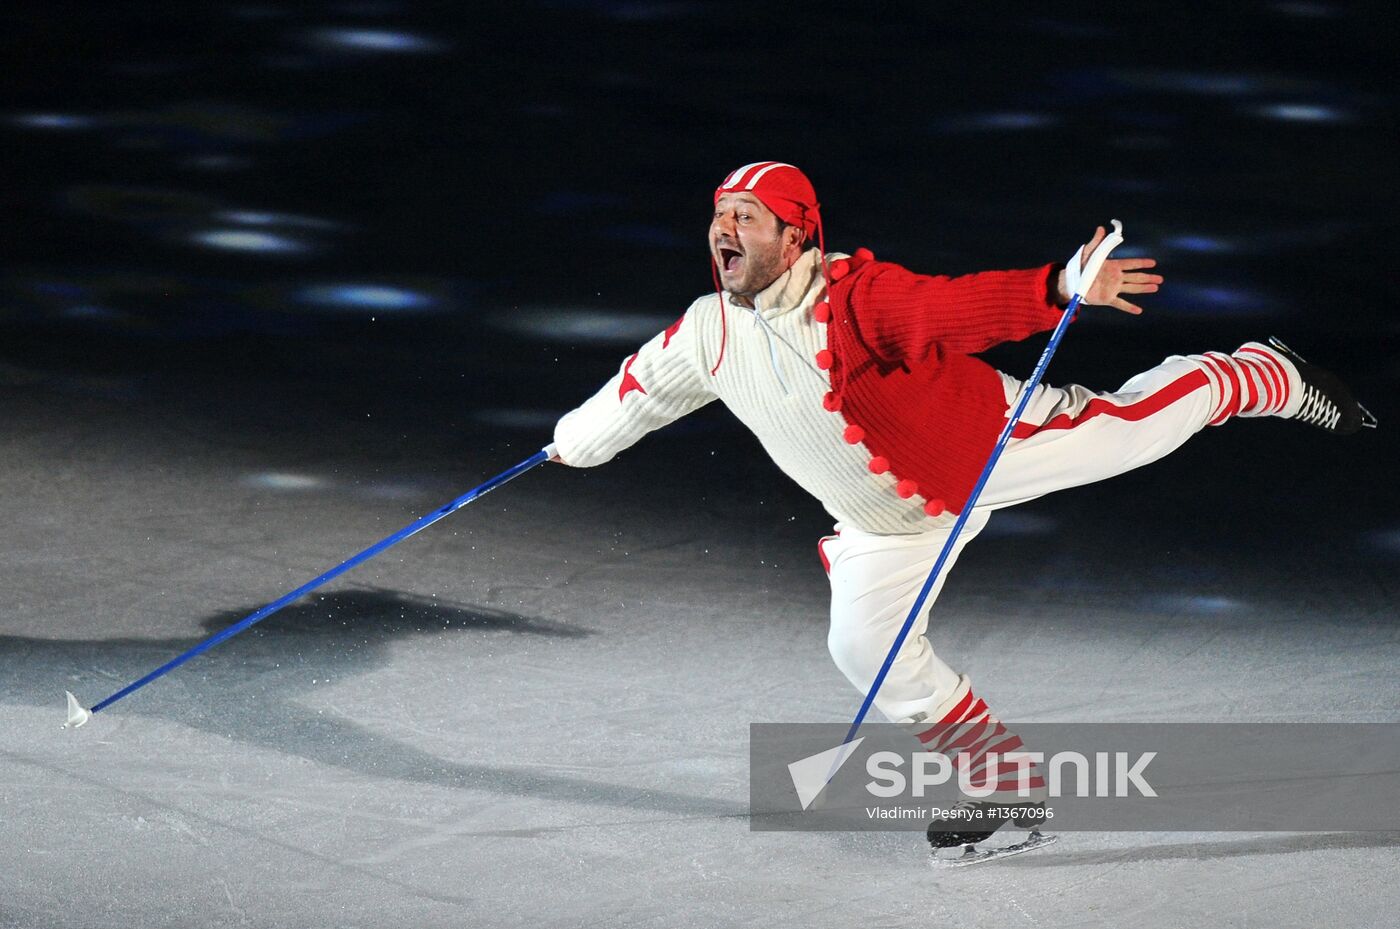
1086	280
77	715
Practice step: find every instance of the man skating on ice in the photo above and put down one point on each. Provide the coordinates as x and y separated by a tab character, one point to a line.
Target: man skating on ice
858	378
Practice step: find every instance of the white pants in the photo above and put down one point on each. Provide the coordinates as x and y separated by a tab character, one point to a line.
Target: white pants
1067	437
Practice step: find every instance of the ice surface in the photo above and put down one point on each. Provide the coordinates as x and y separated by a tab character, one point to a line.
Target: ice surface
535	713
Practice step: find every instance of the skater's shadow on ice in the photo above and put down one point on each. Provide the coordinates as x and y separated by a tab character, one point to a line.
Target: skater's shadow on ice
251	689
1282	844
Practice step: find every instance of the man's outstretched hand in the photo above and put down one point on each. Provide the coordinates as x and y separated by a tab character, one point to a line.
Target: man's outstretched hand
1118	276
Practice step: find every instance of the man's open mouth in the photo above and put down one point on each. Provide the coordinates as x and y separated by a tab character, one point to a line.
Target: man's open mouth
730	259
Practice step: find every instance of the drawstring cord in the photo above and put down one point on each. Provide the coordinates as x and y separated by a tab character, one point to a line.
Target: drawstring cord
770	334
826	276
723	319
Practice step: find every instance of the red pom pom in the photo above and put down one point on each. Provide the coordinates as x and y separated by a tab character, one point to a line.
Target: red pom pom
824	359
934	507
879	464
906	489
822	312
864	254
831	402
853	434
839	269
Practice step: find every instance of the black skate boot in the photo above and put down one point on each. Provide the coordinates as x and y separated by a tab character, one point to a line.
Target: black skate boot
1327	403
971	822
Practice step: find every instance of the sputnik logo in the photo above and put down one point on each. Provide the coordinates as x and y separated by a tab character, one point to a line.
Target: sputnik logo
811	774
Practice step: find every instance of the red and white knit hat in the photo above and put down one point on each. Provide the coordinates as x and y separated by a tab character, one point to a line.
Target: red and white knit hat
782	188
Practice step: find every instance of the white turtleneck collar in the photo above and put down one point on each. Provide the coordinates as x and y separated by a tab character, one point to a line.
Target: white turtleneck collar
789	290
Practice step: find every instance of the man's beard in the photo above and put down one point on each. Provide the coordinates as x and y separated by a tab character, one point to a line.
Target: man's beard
758	274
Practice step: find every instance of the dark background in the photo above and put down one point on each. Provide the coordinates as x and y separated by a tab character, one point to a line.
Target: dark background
424	230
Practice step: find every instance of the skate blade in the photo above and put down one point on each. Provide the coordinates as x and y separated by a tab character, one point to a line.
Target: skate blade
973	855
1277	343
76	714
1368	419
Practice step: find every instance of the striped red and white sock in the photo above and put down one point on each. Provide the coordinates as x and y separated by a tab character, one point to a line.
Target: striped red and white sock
979	745
1254	380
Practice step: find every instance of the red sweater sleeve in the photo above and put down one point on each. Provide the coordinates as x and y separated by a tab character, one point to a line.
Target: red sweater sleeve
903	315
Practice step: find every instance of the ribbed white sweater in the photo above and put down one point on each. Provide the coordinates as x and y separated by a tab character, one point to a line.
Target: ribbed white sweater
768	379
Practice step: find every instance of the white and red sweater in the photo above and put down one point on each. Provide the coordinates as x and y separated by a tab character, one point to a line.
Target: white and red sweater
870	400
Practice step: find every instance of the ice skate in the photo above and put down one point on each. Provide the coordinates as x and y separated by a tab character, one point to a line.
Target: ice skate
973	821
955	838
1326	402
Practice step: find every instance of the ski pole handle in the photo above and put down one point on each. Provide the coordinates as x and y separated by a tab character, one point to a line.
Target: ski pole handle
1078	280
